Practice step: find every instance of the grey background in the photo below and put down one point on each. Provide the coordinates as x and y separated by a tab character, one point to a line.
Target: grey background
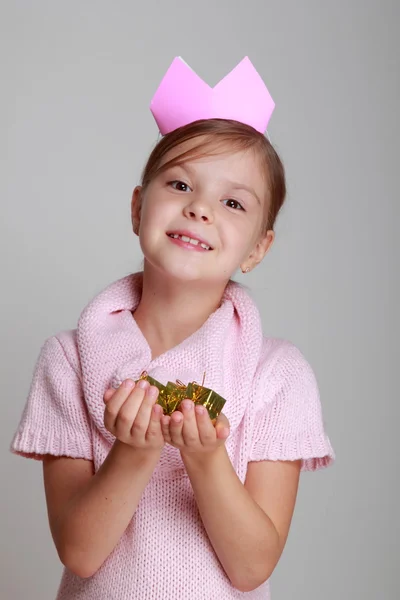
77	78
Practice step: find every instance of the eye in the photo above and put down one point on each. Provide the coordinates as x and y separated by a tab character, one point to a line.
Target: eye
233	204
179	185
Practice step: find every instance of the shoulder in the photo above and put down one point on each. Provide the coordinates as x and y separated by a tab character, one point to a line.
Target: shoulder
283	369
289	423
68	341
61	350
280	357
55	419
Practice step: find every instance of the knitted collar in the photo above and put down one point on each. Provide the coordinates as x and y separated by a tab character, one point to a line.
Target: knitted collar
112	348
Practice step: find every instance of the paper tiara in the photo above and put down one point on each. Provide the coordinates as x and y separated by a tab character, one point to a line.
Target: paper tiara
183	97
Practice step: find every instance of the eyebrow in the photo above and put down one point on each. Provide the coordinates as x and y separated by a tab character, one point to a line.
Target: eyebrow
247	188
235	185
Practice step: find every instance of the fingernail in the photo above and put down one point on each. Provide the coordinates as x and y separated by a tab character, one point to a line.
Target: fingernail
200	410
143	384
224	431
152	392
129	383
187	404
108	393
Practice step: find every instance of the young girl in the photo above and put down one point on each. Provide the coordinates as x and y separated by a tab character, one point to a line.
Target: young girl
143	505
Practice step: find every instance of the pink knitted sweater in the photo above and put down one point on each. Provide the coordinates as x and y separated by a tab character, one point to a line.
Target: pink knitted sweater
272	403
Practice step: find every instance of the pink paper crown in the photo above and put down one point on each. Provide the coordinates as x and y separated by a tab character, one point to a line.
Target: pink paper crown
183	97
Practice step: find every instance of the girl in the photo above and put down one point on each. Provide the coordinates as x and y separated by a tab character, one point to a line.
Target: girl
147	506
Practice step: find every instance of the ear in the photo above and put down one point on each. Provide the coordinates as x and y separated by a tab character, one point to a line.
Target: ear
136	207
259	251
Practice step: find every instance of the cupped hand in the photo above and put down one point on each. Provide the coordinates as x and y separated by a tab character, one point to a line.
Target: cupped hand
191	430
132	415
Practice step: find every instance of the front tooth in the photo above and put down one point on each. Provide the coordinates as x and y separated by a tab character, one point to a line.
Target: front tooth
184	238
205	247
175	236
194	242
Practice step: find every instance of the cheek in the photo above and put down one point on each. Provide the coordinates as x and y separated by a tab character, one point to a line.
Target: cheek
152	212
257	225
156	217
158	208
241	234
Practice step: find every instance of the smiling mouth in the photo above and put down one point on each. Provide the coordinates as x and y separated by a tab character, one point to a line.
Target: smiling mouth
189	240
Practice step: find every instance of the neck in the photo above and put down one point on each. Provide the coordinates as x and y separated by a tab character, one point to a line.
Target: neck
171	310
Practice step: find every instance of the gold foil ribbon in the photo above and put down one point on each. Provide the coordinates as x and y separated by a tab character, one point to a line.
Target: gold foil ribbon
171	395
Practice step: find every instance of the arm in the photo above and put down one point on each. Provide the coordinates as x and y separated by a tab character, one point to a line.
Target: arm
89	513
246	524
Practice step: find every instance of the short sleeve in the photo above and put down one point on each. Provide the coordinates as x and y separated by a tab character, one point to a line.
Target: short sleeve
54	420
288	422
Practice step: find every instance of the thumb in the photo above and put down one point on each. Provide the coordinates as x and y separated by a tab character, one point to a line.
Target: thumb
222	427
109	393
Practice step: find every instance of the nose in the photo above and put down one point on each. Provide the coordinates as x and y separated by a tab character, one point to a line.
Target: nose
199	210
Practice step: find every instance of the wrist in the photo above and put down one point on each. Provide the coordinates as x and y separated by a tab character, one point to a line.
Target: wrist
130	456
204	461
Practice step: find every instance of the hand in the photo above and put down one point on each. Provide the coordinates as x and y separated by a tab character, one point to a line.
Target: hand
132	415
192	431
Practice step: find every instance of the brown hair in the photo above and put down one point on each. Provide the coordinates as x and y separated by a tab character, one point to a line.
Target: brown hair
218	134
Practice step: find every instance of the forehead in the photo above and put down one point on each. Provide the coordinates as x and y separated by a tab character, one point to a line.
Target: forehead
218	160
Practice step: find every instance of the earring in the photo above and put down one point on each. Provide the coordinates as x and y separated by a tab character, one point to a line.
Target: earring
246	270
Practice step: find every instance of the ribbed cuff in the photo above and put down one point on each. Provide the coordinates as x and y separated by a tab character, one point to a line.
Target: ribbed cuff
32	443
315	452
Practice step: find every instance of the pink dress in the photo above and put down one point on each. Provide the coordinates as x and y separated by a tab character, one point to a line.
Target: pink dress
272	403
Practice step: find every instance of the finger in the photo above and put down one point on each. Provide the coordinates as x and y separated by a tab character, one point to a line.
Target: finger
222	427
108	394
130	409
175	428
142	418
207	433
115	403
190	432
154	429
165	419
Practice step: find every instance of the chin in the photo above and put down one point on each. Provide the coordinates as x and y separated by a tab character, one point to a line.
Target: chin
184	272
